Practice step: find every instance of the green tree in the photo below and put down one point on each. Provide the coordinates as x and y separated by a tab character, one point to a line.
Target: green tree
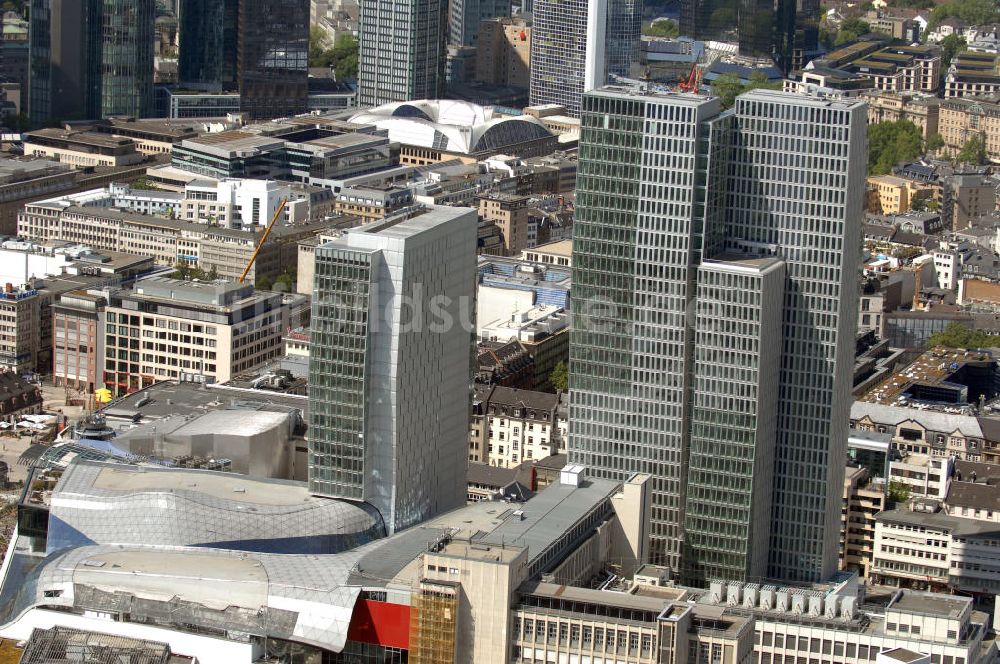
890	143
560	377
182	270
974	12
726	87
973	152
850	30
934	142
284	283
898	492
661	28
264	282
213	274
317	46
951	46
956	335
759	80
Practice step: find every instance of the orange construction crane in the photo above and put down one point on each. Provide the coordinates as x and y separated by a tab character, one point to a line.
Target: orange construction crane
692	82
263	239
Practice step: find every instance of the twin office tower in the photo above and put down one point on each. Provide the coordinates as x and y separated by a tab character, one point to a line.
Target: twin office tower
715	270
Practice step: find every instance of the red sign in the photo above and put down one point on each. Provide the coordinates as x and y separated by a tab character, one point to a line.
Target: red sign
380	623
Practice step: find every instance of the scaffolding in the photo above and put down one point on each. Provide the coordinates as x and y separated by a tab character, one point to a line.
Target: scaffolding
59	644
434	623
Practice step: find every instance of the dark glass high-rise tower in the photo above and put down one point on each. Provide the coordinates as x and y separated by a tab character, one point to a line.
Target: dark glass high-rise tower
272	57
464	17
127	33
209	40
64	78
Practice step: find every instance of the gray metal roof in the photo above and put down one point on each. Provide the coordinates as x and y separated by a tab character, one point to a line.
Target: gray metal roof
182	507
933	420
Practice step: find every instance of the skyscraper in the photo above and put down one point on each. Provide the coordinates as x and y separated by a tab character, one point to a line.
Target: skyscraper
403	50
391	364
786	31
689	222
209	40
64	77
127	31
272	57
559	45
464	18
90	59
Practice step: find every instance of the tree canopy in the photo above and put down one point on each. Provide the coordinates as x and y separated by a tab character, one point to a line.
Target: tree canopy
973	12
957	335
890	143
727	86
661	28
973	152
560	377
850	30
951	46
342	56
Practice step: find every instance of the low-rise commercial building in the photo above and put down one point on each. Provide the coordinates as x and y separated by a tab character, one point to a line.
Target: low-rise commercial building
972	74
889	194
510	213
168	329
82	149
922	110
542	329
863	499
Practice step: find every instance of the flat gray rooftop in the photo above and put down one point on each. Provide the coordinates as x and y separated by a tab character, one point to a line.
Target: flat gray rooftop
931	604
177	398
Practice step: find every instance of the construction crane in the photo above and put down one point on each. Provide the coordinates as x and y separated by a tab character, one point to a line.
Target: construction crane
692	82
263	239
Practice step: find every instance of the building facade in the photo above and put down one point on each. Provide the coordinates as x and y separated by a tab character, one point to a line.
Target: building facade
64	60
127	29
386	386
209	32
403	51
635	262
509	426
272	57
168	329
78	341
503	54
466	16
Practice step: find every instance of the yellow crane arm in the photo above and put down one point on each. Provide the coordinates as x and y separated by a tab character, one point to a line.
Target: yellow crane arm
263	239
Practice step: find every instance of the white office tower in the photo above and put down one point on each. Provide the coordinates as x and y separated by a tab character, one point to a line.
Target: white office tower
689	218
390	365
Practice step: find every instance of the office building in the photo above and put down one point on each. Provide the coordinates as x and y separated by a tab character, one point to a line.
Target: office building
402	51
126	65
564	48
209	41
503	53
64	60
638	269
391	363
165	329
91	59
465	17
733	417
272	57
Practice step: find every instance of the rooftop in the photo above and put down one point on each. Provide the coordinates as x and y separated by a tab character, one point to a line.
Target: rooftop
903	655
935	367
934	604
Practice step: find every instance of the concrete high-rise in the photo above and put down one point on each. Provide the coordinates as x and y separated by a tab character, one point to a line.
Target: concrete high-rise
209	41
272	61
402	50
576	41
691	221
391	364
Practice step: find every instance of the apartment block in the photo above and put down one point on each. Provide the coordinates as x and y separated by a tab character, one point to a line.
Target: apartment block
888	194
169	329
972	74
510	426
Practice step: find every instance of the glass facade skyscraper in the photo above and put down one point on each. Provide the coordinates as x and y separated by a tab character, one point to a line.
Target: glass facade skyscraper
390	354
273	57
403	50
677	202
127	31
209	38
559	42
